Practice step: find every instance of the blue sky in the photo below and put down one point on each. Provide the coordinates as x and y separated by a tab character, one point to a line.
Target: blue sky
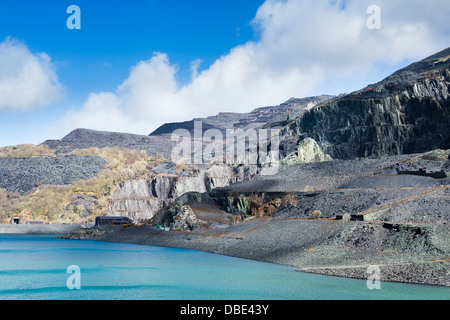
114	36
120	33
139	63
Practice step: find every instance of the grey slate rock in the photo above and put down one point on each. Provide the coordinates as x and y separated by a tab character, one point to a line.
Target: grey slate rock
24	174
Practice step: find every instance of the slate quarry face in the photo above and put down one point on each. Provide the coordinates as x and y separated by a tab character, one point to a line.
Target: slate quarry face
408	112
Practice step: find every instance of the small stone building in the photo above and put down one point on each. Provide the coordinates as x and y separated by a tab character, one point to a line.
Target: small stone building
16	220
105	221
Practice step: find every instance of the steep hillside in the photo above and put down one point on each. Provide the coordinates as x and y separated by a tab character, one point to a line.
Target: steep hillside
406	113
85	138
67	188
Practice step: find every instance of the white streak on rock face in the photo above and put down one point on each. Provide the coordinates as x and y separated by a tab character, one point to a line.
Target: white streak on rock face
307	151
141	199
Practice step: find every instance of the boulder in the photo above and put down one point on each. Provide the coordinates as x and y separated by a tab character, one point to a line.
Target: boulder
178	217
185	219
307	151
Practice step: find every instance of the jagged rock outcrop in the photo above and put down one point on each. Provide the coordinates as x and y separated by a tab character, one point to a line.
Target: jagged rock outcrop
141	199
307	151
178	217
406	113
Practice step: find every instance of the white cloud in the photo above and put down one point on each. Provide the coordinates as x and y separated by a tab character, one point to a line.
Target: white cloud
27	80
195	65
305	47
100	111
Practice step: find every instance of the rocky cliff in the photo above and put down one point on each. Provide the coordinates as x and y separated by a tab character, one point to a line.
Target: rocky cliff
406	113
307	151
140	199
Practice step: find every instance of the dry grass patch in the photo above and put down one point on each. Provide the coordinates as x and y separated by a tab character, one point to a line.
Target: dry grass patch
66	204
316	214
26	151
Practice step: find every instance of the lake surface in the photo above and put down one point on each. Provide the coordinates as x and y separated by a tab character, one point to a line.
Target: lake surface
35	268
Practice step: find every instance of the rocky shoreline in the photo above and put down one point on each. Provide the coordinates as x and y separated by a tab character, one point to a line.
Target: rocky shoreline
39	228
405	253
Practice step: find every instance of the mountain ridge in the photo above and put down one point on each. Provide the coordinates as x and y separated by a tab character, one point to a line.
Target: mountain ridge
256	118
407	112
403	100
87	138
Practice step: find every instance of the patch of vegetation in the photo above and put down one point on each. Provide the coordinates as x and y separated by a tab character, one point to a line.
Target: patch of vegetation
26	151
81	201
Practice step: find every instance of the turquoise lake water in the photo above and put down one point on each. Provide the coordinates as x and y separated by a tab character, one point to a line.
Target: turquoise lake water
35	268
